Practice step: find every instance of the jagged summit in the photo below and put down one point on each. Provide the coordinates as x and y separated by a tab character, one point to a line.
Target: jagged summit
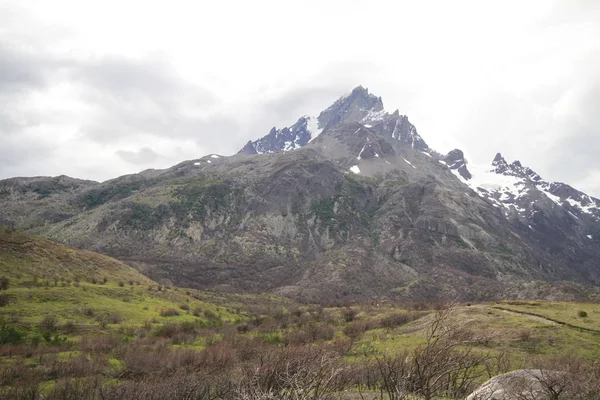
284	139
520	192
455	160
359	106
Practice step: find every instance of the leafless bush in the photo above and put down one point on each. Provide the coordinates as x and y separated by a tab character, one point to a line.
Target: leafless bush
78	367
169	312
348	314
98	343
446	366
399	319
356	328
179	387
48	324
300	372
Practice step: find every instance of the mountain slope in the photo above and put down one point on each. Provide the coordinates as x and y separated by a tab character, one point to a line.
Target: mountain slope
24	255
365	208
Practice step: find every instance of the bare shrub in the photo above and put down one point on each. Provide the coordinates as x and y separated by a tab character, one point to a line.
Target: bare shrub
446	365
348	314
169	312
399	319
356	328
301	372
98	343
48	324
6	299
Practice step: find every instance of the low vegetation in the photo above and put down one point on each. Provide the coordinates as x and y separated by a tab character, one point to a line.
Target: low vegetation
280	352
114	334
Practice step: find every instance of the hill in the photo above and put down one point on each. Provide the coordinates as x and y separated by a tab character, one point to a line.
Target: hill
350	204
25	257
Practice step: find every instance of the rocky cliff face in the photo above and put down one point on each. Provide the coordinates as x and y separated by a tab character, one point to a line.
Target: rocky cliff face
360	207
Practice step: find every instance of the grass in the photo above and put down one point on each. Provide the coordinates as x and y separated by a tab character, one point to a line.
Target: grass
84	304
26	257
497	331
46	279
567	312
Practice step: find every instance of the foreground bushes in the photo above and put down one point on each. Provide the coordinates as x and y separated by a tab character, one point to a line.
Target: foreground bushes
309	362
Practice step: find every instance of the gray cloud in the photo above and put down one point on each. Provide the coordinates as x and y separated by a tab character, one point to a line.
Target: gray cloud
575	155
132	97
20	70
145	155
115	103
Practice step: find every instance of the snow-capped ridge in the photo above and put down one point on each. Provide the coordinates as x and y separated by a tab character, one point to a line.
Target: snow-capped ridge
517	188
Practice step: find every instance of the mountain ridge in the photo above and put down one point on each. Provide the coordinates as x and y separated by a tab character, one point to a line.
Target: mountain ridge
362	207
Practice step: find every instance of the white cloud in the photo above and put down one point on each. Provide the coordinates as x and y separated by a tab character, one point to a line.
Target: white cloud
88	80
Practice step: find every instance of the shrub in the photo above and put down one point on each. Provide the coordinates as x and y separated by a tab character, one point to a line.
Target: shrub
398	319
98	343
356	328
69	327
210	315
5	299
349	314
89	312
114	318
185	307
10	334
582	314
49	324
110	318
4	282
525	335
169	312
121	283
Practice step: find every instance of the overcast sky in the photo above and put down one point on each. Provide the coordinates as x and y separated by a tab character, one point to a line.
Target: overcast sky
97	89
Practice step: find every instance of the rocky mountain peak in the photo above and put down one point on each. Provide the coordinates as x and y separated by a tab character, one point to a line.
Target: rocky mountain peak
499	163
284	139
455	160
358	106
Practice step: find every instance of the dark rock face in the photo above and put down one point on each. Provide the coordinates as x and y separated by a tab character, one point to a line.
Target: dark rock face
284	139
364	209
358	107
456	161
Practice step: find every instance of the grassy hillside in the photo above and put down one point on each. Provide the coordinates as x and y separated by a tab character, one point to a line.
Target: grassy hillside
91	291
25	257
75	324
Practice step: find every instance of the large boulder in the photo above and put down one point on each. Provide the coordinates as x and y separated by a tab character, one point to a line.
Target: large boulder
522	384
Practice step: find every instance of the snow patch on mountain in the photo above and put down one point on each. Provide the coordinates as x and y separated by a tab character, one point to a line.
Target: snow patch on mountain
511	186
355	169
374	116
313	127
409	163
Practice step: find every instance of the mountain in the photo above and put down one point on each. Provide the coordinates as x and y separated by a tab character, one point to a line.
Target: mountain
358	107
352	203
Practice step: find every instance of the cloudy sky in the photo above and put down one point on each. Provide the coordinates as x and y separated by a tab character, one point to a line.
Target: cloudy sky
97	89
